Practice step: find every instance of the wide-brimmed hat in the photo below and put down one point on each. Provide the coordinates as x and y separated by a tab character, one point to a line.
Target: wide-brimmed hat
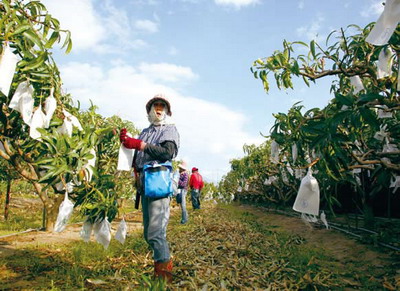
183	165
194	169
159	97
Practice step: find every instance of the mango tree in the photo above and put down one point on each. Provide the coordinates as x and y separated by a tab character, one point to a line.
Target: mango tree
355	138
41	136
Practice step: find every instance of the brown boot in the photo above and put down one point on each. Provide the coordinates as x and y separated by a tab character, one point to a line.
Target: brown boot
163	270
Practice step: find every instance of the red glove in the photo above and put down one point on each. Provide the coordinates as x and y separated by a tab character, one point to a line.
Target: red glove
129	142
122	135
132	143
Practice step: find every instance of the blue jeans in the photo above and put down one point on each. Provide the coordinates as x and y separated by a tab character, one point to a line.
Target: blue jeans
195	195
183	206
155	220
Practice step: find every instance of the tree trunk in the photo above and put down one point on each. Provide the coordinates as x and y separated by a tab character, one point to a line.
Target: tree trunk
368	211
8	197
369	218
51	207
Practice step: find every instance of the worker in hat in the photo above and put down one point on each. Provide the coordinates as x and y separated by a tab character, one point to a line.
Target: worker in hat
157	143
182	188
196	184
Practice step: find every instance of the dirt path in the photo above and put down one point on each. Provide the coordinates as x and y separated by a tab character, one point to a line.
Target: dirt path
211	238
342	247
345	249
71	233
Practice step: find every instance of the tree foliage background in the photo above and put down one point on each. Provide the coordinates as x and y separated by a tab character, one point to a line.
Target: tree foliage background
352	143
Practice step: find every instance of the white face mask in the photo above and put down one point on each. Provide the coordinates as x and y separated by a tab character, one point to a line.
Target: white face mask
157	120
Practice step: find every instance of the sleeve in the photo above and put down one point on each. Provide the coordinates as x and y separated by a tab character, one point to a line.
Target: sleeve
171	134
183	179
191	181
164	152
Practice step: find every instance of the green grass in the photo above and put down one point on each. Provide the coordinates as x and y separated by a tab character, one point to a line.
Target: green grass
221	247
75	266
30	215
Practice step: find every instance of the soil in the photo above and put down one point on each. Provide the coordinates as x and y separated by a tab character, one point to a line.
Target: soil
345	250
34	237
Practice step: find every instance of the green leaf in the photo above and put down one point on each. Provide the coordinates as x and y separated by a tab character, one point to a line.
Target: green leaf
312	49
54	36
364	98
21	29
69	47
300	42
369	116
34	38
346	100
36	62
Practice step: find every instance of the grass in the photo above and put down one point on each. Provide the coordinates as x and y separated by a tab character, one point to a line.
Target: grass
221	247
26	209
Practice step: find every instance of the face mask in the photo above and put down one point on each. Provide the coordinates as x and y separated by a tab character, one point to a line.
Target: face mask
157	120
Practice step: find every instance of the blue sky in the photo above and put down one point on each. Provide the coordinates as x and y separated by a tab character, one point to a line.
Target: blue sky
199	53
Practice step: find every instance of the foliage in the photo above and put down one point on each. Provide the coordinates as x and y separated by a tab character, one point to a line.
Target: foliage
58	159
347	142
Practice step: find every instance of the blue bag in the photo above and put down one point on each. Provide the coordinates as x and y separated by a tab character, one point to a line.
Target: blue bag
157	180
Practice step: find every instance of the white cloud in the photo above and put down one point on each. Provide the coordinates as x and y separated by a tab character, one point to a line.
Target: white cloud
301	4
146	26
167	72
211	133
86	26
236	3
313	31
374	8
97	26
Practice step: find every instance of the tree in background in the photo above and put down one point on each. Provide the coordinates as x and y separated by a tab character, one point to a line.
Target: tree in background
63	153
354	139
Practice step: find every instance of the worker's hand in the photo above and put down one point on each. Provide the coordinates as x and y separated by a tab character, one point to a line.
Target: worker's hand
122	135
133	143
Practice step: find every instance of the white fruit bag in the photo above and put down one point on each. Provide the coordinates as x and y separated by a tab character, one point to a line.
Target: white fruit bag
384	112
22	101
88	166
395	183
65	128
323	219
307	200
385	62
120	235
69	122
356	82
390	147
64	213
102	232
125	158
274	152
38	121
386	24
294	152
26	106
75	122
381	134
8	62
86	231
50	106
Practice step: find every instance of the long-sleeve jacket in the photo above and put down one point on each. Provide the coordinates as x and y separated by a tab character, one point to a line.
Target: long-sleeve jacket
183	180
196	181
162	145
